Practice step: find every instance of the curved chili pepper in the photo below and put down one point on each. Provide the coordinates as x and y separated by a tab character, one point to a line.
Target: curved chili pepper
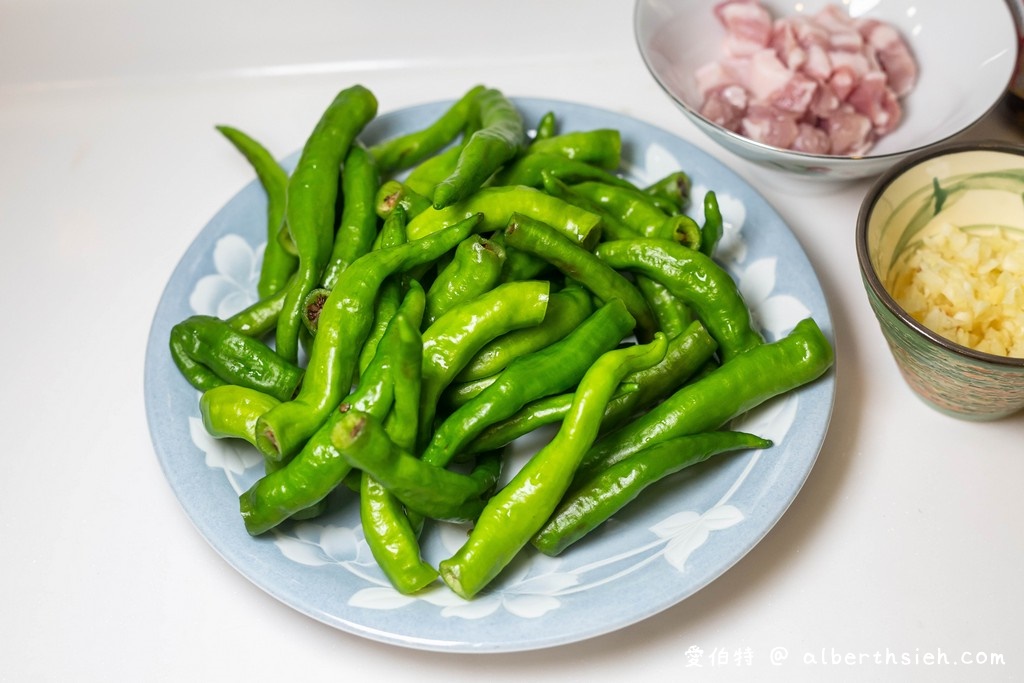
579	264
345	322
260	318
474	269
312	191
589	506
550	370
431	491
425	176
749	379
391	538
612	227
530	168
547	126
684	358
567	308
671	314
278	264
637	209
499	139
697	280
209	353
517	511
389	532
405	151
673	190
390	295
713	228
394	193
601	147
318	468
497	204
358	225
230	411
462	331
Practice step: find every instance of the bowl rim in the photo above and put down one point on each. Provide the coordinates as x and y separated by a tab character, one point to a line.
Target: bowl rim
807	157
871	278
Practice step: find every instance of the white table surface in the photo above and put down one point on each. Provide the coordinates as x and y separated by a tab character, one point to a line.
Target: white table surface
907	538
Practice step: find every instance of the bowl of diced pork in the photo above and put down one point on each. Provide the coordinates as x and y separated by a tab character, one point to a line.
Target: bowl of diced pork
829	89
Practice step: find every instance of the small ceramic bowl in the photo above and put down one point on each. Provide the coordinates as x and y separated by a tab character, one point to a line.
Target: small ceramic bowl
965	52
970	187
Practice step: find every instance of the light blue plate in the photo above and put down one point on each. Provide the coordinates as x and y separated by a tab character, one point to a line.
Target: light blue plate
686	532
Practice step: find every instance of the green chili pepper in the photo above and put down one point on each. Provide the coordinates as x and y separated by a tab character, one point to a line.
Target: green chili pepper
209	353
712	230
673	190
312	191
318	468
684	358
589	506
358	226
530	168
497	204
456	336
567	308
431	491
612	227
230	411
579	264
475	268
407	150
749	379
278	265
391	538
394	193
551	370
547	126
424	177
517	511
345	322
697	280
390	534
499	139
639	211
260	318
390	295
670	312
601	147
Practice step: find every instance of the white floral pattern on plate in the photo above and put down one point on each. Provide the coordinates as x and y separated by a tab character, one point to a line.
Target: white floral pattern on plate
681	537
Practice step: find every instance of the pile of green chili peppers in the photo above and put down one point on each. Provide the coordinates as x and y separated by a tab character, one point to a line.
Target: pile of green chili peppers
428	299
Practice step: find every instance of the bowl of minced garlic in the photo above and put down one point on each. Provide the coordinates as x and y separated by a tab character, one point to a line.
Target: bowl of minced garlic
940	241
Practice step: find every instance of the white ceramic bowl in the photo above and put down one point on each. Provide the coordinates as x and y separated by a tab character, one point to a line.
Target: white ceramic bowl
966	54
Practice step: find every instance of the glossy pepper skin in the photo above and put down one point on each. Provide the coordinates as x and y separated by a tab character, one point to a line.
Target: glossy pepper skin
230	411
345	322
318	468
517	511
455	337
500	137
567	308
497	204
685	355
553	369
431	491
601	147
640	212
209	353
697	280
714	225
405	151
745	381
312	194
474	269
579	264
278	264
590	505
357	227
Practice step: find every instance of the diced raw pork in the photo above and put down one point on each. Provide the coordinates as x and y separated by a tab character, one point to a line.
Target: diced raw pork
821	84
